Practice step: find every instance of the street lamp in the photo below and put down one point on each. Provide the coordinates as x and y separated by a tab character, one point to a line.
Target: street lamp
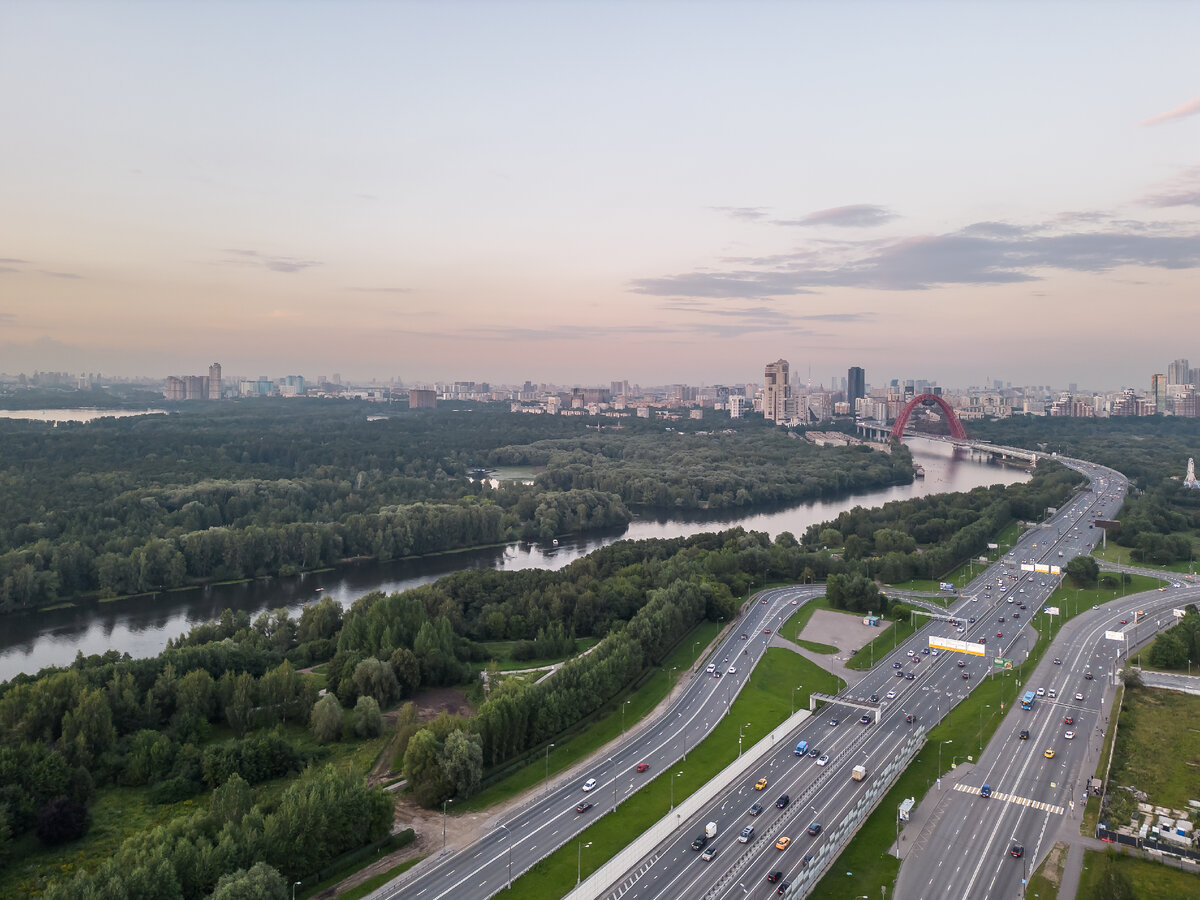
796	688
981	709
295	884
940	743
547	782
508	844
579	863
696	661
623	705
740	727
444	802
673	774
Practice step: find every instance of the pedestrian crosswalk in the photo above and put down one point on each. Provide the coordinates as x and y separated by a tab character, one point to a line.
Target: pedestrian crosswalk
1013	798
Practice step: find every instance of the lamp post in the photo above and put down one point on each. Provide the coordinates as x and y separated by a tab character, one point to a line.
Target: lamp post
547	781
981	709
740	727
796	688
623	705
696	661
579	863
295	884
940	743
673	775
508	844
444	803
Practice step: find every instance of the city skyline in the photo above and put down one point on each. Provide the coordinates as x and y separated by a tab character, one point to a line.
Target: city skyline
661	192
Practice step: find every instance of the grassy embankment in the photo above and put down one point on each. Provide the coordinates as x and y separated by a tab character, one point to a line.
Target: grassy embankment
1091	811
967	728
1122	556
1149	880
1045	881
1161	726
764	702
641	702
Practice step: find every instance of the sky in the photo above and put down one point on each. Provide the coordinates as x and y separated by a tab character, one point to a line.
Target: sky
581	192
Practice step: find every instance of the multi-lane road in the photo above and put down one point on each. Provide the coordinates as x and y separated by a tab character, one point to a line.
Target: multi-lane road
905	693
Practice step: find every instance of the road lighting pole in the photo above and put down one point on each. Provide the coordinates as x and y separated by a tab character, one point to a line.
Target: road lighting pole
696	661
579	863
796	688
981	709
623	705
508	844
673	775
444	802
740	727
295	884
940	743
547	781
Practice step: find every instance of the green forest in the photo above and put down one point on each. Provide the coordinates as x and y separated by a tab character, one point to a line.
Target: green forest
230	491
1160	520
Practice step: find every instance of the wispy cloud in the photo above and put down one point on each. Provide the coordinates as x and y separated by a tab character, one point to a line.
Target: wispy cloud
70	275
7	270
7	317
1184	190
984	253
858	215
382	290
288	264
1180	112
744	213
11	261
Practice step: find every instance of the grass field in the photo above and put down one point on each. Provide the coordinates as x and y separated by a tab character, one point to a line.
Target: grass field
1091	811
375	881
1044	882
567	752
1114	553
502	653
815	647
1149	880
1160	726
764	702
887	641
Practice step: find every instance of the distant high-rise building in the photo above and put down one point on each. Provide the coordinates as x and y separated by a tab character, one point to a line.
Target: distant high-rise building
1158	390
214	381
737	406
418	399
777	391
1179	373
856	384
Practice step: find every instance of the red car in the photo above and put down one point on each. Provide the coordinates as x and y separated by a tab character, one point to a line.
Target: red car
961	664
642	767
1068	720
999	634
766	631
964	675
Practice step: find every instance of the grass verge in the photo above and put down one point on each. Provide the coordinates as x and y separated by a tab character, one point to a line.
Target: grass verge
1160	726
1045	881
378	881
815	647
764	702
1144	878
641	702
1091	811
887	641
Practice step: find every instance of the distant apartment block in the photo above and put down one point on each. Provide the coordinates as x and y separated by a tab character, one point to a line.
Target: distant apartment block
777	392
421	399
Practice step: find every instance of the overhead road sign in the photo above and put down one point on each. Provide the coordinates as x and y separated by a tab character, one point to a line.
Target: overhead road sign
1114	635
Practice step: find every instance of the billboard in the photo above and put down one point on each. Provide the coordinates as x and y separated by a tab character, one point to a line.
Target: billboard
1050	610
945	643
1001	662
1114	635
945	586
1044	568
1026	567
993	546
1055	570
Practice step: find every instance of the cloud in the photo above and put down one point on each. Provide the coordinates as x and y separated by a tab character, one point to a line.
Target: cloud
286	264
5	270
60	274
1180	112
1184	190
7	317
984	253
744	213
382	290
4	259
860	215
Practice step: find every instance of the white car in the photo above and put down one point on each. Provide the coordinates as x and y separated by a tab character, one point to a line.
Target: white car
589	784
933	653
1078	696
891	695
823	761
1069	735
1041	692
732	670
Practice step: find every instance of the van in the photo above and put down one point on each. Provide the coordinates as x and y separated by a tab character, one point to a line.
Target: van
802	748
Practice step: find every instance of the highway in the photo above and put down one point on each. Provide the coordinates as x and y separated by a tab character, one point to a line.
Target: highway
518	840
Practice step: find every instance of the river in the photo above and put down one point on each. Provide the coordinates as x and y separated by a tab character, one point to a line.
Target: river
142	626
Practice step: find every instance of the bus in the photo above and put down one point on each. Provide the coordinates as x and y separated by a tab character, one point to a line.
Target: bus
1027	700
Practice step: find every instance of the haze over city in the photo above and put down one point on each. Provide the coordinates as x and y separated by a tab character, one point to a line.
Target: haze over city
585	191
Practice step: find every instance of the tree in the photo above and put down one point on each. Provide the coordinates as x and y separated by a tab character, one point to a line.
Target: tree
259	882
376	679
239	707
368	721
326	719
61	820
463	762
1083	571
231	800
88	729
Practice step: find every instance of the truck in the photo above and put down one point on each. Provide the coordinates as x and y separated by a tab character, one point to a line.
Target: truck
985	791
802	748
858	773
710	830
1027	700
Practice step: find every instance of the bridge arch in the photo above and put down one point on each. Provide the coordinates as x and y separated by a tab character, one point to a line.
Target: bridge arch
956	427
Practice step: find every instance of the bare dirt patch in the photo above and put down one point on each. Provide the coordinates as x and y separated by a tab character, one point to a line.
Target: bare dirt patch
842	630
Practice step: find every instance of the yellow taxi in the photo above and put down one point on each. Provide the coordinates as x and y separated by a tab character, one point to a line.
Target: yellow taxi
1049	754
782	843
760	784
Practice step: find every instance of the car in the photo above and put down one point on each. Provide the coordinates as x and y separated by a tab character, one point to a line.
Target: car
1057	661
1017	851
899	674
766	631
814	829
763	600
583	807
874	698
897	666
1020	606
783	801
1087	676
1041	692
1068	720
833	722
760	784
925	651
909	675
916	659
755	809
1070	735
971	621
782	888
642	767
774	876
961	664
747	833
716	674
1049	754
589	784
709	853
794	603
814	753
911	653
1078	696
745	637
807	859
1124	621
965	675
864	720
999	634
732	670
1051	693
983	640
1024	735
712	667
822	760
909	718
1001	620
783	843
699	842
933	653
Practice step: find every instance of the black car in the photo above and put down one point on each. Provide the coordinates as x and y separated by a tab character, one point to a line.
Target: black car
864	720
583	807
1024	735
698	843
1017	850
814	829
1087	676
756	809
895	665
814	752
782	889
774	876
783	801
1057	661
804	862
